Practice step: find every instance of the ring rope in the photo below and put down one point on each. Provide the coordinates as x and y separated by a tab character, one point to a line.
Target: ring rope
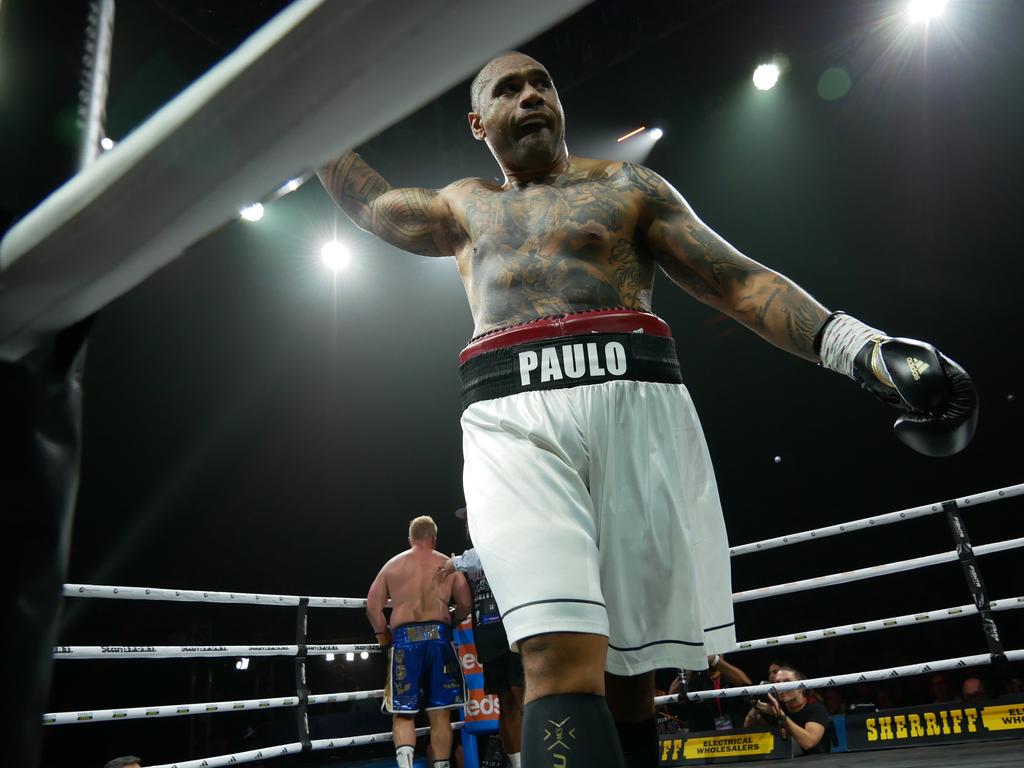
134	713
1006	604
870	571
203	596
248	598
874	675
287	749
203	708
871	522
76	652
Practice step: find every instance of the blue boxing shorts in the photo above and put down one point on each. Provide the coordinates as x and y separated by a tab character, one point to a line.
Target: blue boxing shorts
422	659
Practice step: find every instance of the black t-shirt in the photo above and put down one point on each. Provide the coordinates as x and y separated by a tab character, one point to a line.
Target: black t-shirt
701	715
814	712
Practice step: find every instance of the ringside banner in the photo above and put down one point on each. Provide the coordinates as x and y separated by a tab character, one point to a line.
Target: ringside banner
481	711
717	746
936	724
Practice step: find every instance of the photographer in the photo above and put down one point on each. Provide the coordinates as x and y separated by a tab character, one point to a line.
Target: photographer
798	717
717	714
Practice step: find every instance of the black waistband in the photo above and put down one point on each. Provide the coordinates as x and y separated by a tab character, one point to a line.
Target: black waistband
569	361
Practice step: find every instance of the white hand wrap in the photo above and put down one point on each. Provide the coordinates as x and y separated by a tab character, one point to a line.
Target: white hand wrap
843	338
467	561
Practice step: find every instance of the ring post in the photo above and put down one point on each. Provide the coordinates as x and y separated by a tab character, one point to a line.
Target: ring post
976	585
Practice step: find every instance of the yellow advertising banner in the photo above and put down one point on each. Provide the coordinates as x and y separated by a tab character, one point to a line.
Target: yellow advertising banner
729	746
1004	718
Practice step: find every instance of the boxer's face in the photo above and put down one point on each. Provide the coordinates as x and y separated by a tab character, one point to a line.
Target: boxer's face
519	115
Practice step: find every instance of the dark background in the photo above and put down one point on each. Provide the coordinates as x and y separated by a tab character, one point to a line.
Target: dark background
253	423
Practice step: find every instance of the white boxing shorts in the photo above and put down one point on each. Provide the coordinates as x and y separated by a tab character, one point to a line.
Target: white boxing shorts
590	493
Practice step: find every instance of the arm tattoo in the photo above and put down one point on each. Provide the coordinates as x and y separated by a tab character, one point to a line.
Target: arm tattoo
646	181
398	216
763	309
726	270
353	185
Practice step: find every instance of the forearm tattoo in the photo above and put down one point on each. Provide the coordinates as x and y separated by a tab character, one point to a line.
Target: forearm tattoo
354	186
398	216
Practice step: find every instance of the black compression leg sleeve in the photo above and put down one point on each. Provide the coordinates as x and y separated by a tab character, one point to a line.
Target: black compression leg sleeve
639	743
570	730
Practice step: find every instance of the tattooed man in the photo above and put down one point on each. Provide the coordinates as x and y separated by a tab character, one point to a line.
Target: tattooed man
587	475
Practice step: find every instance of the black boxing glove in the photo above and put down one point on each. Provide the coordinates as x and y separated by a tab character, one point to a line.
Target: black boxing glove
938	395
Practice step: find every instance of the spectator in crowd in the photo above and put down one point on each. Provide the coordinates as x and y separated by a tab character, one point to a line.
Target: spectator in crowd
883	699
1014	685
833	701
973	690
719	714
939	689
128	761
665	720
751	714
805	721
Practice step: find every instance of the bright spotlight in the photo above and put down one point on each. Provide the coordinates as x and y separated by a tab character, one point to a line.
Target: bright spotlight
290	186
329	657
766	76
364	655
923	11
350	657
253	212
242	663
107	143
336	256
657	133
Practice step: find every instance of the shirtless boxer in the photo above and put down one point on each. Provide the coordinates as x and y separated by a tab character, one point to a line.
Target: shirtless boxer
592	496
421	656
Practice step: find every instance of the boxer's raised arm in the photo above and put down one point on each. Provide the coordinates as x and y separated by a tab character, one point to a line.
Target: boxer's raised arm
707	267
412	219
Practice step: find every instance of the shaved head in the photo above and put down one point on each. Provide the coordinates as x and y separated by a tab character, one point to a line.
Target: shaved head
486	75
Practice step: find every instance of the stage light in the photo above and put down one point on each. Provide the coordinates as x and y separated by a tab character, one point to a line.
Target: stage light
106	143
290	186
335	255
923	11
631	134
253	212
329	657
350	657
242	663
364	655
657	133
766	76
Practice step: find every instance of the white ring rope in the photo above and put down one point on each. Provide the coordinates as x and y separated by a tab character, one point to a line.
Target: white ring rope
871	522
870	572
204	708
206	596
922	617
287	749
875	675
76	652
248	598
337	73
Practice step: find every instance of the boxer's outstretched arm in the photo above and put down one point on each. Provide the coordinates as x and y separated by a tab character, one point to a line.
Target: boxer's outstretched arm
411	219
710	269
